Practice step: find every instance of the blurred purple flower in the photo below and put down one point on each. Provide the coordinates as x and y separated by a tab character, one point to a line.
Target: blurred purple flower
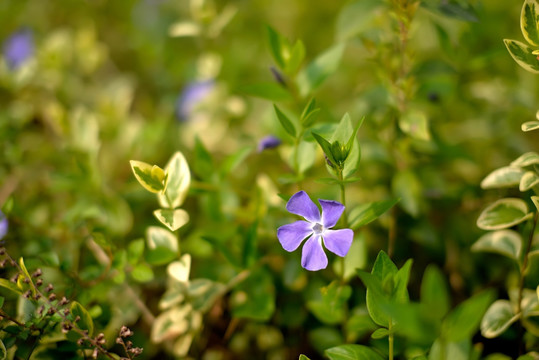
191	95
268	142
3	225
18	48
316	230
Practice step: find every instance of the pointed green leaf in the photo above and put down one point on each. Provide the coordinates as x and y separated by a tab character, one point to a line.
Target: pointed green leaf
202	163
285	122
275	41
503	214
150	177
528	181
326	147
309	114
530	125
294	61
377	298
523	55
434	294
162	245
354	134
527	159
463	321
173	219
6	284
352	352
25	274
504	242
85	322
344	133
268	90
529	22
497	319
535	200
303	357
135	250
380	333
331	307
506	176
234	160
178	181
314	74
363	214
400	291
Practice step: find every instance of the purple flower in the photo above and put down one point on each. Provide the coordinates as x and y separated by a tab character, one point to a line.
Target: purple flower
18	48
192	95
268	142
3	225
316	229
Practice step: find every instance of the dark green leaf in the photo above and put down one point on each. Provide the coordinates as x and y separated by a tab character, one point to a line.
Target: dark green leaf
275	41
363	214
434	294
85	322
352	352
285	122
326	147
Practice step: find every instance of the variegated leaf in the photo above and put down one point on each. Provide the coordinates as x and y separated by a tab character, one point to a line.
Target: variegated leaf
523	55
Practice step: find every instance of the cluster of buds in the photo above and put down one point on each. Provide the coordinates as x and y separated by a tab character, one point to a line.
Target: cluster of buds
130	350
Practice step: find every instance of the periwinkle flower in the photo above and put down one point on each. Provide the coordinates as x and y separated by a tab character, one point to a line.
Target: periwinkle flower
316	229
191	96
3	225
18	48
268	142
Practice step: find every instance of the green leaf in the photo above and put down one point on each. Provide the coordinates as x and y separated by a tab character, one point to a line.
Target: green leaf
162	245
178	181
295	59
25	274
179	270
535	200
528	181
331	308
407	186
306	156
254	298
356	258
527	159
506	176
352	352
6	284
222	248
450	350
303	357
135	250
276	41
497	319
316	72
3	351
85	322
355	17
463	321
345	134
142	273
152	178
173	219
285	122
523	55
363	214
203	293
503	214
434	294
326	147
529	22
380	333
203	163
353	135
530	125
529	356
415	124
308	116
400	291
234	160
268	90
504	242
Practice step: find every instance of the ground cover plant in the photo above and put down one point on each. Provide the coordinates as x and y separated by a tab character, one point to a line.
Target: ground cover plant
198	179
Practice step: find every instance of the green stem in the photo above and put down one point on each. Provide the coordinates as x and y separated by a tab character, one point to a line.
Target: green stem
391	339
344	217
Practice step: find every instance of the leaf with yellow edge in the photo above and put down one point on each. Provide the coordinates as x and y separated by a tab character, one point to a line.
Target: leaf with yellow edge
152	178
178	181
529	21
523	55
173	219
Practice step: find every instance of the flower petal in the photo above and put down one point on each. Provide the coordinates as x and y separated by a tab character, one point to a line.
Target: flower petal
291	235
331	212
301	204
313	257
338	241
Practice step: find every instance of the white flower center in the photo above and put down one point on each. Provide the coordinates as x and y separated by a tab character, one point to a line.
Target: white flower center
318	228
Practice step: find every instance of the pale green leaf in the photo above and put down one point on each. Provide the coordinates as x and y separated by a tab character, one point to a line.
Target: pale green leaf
152	178
314	74
415	124
85	322
184	28
276	44
297	55
6	284
434	293
523	55
504	242
142	273
408	188
285	122
529	21
497	319
535	200
352	352
527	159
450	350
269	90
503	214
178	181
363	214
171	323
380	333
303	357
356	17
356	258
530	125
173	219
506	176
162	245
528	181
